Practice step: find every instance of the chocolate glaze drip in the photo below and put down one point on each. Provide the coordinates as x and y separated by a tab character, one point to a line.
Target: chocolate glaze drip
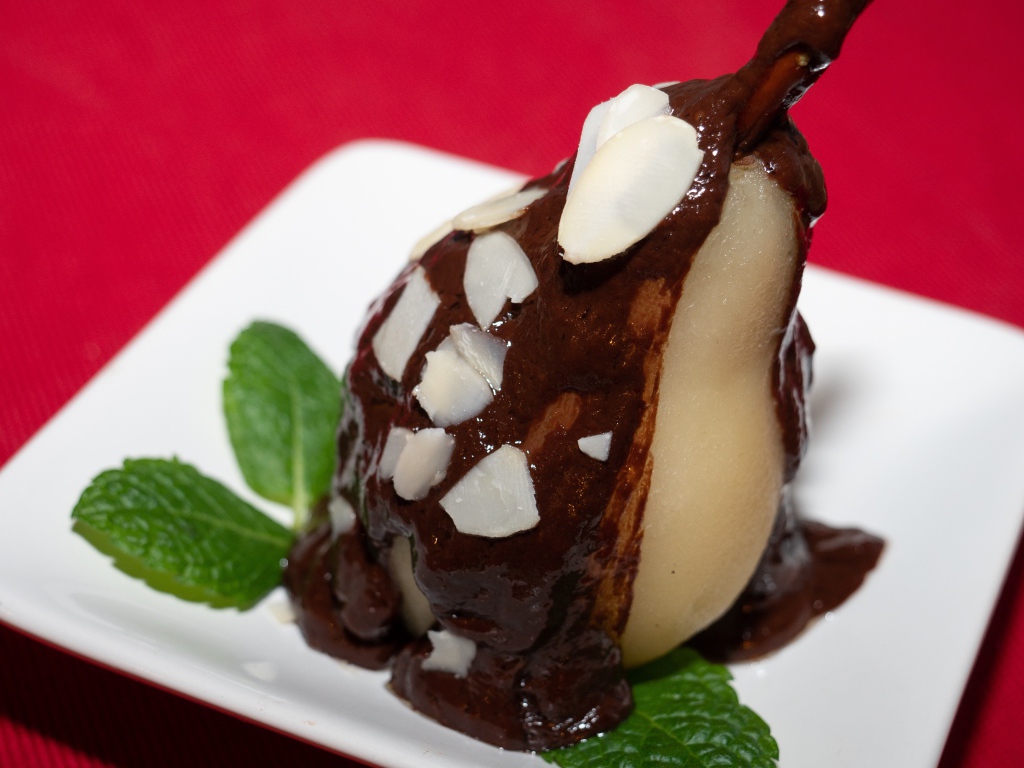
545	607
807	570
345	603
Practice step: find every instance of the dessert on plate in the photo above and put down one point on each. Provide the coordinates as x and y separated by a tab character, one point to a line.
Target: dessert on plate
570	425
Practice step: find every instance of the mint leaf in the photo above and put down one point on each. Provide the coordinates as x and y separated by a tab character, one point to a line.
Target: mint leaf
282	406
181	532
687	716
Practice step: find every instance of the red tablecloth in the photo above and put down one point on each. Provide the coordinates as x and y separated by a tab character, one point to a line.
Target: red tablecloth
137	138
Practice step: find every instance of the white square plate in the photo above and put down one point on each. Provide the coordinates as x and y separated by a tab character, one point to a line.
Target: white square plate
919	436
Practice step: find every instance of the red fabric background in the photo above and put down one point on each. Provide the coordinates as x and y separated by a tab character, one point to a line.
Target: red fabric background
137	138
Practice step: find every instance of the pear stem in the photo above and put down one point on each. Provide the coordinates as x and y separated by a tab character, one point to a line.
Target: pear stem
801	42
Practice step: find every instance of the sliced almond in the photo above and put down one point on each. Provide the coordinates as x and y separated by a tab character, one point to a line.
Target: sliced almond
635	179
588	140
596	446
343	517
608	118
393	447
496	269
400	333
423	463
281	609
451	389
634	104
451	653
491	213
486	353
495	498
429	240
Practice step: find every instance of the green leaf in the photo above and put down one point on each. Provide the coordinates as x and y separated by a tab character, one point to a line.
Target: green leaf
687	716
181	532
282	406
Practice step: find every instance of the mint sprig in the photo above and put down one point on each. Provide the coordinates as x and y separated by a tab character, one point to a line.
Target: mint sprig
686	716
282	406
183	532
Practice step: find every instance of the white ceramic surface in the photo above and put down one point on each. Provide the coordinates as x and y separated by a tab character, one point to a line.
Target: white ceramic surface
919	436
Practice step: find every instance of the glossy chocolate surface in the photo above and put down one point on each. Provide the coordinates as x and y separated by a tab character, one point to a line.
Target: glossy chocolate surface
807	570
545	607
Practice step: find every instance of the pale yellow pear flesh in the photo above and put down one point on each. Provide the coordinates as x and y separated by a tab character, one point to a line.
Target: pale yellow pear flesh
718	458
416	611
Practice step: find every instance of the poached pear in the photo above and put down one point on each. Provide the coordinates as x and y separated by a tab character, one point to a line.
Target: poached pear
569	424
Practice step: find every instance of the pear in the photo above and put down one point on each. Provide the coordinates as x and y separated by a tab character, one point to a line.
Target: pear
570	422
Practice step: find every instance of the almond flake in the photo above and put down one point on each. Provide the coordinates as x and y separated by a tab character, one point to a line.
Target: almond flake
429	240
400	333
281	610
451	389
498	210
423	463
635	179
588	141
393	447
608	118
495	498
596	446
496	269
486	353
634	104
451	653
343	517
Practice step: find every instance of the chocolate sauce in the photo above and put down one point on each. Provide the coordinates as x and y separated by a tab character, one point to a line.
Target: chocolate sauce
545	607
807	570
345	603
